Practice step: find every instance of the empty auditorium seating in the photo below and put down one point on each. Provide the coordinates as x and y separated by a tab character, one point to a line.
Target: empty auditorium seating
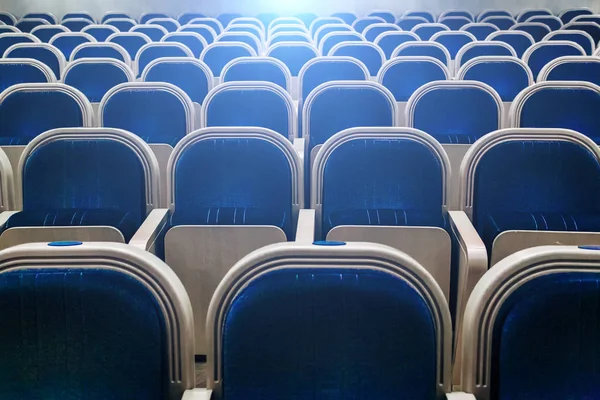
287	28
218	54
540	54
67	41
154	50
23	70
293	55
248	21
130	41
592	28
479	49
552	22
580	37
319	22
520	41
101	50
388	41
265	69
427	49
240	37
9	39
226	18
368	53
537	30
480	30
270	323
572	68
453	41
46	32
530	316
94	77
26	25
254	30
43	52
124	315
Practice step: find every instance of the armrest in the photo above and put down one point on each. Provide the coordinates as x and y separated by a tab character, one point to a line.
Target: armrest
299	147
460	396
197	394
146	235
305	231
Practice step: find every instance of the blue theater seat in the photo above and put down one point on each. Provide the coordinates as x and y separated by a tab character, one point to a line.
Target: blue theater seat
388	41
536	309
533	12
455	23
79	14
112	15
205	31
254	30
170	24
154	32
373	31
46	32
78	327
101	50
427	15
226	18
493	13
552	22
293	55
330	40
542	53
29	109
323	30
7	18
266	69
368	53
483	49
8	29
146	17
319	22
408	23
520	41
365	325
95	77
210	22
537	30
503	23
426	31
67	41
43	52
152	51
218	54
361	24
286	37
567	15
76	24
346	17
572	68
453	41
23	70
388	16
26	25
48	17
9	39
130	41
287	28
186	17
258	24
307	18
109	178
122	24
592	28
194	41
480	30
423	49
457	13
580	37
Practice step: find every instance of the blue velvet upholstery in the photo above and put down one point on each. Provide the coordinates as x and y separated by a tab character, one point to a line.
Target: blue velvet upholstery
157	116
80	334
424	49
408	23
186	17
46	34
576	37
45	16
372	33
151	53
27	25
66	44
426	32
484	49
405	77
576	109
213	24
588	71
99	33
521	185
531	13
202	31
337	108
95	79
389	43
185	75
370	56
151	15
481	32
78	15
294	57
76	25
239	106
395	182
329	334
545	340
112	14
266	71
503	24
99	51
347	17
41	54
456	114
455	23
122	26
422	14
152	31
507	77
549	21
226	18
570	14
329	70
83	183
330	42
519	43
233	182
17	72
193	43
249	40
543	55
7	41
218	56
130	43
590	27
363	23
453	42
24	115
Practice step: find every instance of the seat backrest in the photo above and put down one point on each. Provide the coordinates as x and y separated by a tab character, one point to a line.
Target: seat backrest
533	12
506	75
503	23
226	18
453	41
520	41
556	284
346	17
248	28
100	32
154	31
537	30
580	37
149	339
493	13
590	27
366	52
426	49
325	69
249	21
23	70
67	41
130	41
46	32
404	75
29	109
218	54
552	22
338	105
101	50
457	13
94	77
288	37
572	68
9	29
114	14
388	41
158	112
212	22
288	28
307	18
79	14
445	110
323	30
455	23
293	55
373	31
264	69
189	74
559	104
42	15
9	39
76	24
261	104
481	30
284	21
387	15
486	48
388	293
361	24
170	24
26	25
43	52
540	54
426	31
194	41
364	172
567	15
151	51
122	24
235	176
7	18
332	39
427	15
266	18
319	22
186	17
205	31
408	23
147	16
241	37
